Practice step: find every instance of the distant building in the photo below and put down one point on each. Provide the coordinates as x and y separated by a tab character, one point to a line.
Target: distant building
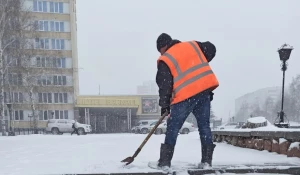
258	97
147	88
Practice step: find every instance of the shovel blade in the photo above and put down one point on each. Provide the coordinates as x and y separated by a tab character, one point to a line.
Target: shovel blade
128	160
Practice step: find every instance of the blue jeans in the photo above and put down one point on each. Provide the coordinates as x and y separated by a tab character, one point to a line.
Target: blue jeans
199	105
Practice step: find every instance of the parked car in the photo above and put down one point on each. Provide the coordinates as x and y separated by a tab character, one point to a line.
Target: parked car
137	129
185	129
60	126
144	129
231	125
141	122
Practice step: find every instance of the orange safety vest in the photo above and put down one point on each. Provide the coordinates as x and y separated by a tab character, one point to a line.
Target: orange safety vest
190	69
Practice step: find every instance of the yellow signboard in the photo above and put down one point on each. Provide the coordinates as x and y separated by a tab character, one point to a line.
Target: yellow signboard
107	101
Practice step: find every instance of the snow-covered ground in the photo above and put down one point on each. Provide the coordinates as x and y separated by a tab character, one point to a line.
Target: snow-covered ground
49	154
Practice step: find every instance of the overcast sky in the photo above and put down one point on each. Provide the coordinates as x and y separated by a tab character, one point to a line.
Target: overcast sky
117	42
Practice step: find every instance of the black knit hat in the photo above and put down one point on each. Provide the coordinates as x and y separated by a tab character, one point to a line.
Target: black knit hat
163	40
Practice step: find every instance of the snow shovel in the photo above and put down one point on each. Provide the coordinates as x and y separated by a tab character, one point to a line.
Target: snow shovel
129	160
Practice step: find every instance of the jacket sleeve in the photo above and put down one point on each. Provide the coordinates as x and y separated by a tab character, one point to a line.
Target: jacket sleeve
208	49
164	80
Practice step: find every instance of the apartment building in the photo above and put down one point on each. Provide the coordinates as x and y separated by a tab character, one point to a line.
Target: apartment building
257	97
55	62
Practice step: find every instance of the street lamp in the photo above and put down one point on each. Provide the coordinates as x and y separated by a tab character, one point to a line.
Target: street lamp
11	132
284	54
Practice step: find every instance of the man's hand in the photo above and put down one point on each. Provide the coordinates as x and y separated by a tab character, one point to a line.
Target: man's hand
164	109
211	96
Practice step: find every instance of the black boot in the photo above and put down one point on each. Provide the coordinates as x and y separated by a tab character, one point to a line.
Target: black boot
166	155
207	154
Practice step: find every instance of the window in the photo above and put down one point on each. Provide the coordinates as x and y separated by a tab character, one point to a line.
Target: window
66	115
45	97
41	25
61	26
40	6
51	7
42	43
40	98
56	26
65	98
50	62
52	26
43	62
38	61
60	80
15	79
55	97
45	115
49	78
56	114
19	115
61	7
13	62
63	62
44	6
35	6
17	97
55	80
63	114
16	115
64	80
60	97
59	62
56	7
14	97
58	44
45	80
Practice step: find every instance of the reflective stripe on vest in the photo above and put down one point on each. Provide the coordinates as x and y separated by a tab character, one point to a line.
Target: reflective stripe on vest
181	74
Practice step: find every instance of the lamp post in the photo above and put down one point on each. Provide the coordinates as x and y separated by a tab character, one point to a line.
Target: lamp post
284	54
11	132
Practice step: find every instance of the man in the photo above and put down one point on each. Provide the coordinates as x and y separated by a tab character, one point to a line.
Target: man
185	82
75	127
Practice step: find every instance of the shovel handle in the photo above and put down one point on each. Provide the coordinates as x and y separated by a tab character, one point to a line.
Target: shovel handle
150	134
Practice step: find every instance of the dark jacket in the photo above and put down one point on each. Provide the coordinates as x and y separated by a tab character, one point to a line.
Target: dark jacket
164	78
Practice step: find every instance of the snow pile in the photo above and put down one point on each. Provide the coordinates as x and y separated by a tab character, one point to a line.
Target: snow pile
294	123
294	145
282	140
256	120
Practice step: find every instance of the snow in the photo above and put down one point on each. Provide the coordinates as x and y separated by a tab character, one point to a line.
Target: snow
294	145
245	174
282	140
259	119
294	123
102	153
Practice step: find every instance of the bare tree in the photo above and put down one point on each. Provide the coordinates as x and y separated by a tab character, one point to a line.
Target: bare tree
15	22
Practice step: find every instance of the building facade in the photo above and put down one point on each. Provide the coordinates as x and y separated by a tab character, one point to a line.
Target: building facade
112	114
54	64
258	97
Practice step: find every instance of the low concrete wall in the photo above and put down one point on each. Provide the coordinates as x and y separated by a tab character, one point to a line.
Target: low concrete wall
282	142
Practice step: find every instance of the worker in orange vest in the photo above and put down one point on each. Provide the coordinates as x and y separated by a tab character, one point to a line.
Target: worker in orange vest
185	82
